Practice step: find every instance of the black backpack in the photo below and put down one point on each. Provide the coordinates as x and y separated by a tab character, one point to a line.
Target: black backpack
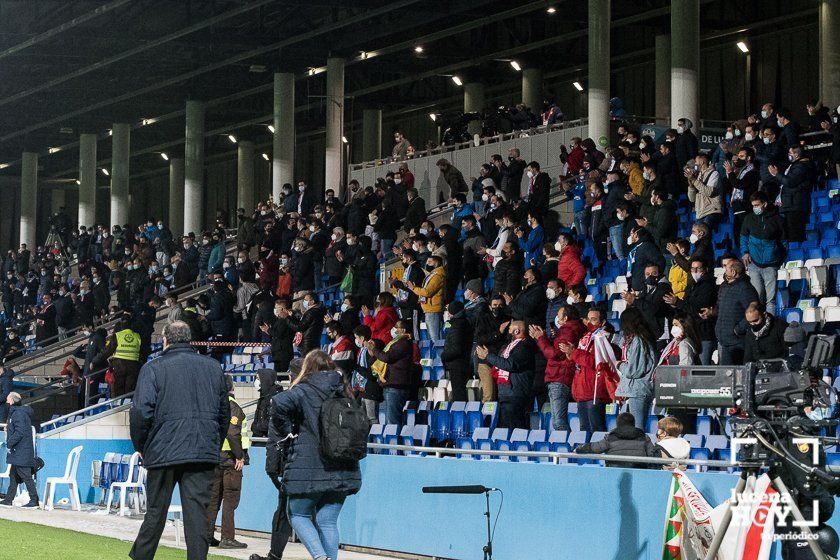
344	430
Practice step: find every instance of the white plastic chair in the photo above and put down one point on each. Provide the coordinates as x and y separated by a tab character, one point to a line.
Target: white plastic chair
128	485
177	514
69	479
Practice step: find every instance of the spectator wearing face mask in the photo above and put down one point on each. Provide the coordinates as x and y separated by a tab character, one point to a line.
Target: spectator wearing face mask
795	182
531	245
204	252
735	294
416	212
643	251
396	369
459	336
588	388
365	384
85	305
431	293
677	275
364	272
570	269
698	303
408	302
765	335
739	182
382	319
762	238
282	336
686	143
704	191
310	324
303	280
651	302
529	304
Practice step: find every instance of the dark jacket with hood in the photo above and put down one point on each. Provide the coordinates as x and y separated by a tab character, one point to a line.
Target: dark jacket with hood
311	323
19	437
402	372
761	237
459	337
624	440
768	343
520	364
297	411
180	412
268	388
529	305
641	253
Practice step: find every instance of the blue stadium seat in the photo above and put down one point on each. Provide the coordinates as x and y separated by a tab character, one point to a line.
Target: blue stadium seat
518	442
704	425
440	425
375	432
652	424
418	437
538	442
695	440
490	412
558	441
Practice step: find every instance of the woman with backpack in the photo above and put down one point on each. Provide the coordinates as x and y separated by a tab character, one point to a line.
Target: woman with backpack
635	370
316	487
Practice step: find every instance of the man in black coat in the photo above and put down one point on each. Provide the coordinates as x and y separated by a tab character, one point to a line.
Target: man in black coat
515	370
24	257
408	303
667	169
310	324
45	327
220	315
179	416
64	312
699	301
642	252
795	184
686	143
529	304
7	374
626	439
663	227
21	455
650	301
507	274
734	296
539	188
455	355
765	336
416	212
282	337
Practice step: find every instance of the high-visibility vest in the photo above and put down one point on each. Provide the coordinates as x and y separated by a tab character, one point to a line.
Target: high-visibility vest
246	440
128	345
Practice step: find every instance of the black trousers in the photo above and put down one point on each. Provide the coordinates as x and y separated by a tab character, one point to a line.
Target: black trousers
795	221
194	480
281	529
21	475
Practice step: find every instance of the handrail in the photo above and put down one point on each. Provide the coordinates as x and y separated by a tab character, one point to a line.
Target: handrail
554	455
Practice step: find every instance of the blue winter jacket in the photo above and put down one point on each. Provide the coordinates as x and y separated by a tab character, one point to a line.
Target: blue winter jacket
761	237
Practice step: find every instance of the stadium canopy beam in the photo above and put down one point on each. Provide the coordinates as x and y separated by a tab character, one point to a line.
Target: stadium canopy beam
28	199
120	160
87	179
48	34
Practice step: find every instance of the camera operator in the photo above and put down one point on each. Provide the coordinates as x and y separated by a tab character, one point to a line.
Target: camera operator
764	338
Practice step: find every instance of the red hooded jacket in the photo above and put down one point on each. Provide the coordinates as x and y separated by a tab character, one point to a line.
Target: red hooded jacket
570	269
583	386
560	369
381	323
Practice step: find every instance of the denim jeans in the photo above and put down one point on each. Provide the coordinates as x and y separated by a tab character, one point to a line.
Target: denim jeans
321	537
580	223
711	220
371	410
394	401
730	355
617	241
559	395
763	279
433	325
706	352
385	247
639	407
593	416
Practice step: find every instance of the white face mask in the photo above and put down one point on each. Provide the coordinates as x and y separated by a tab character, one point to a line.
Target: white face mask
763	114
697	276
301	188
558	246
550	293
240	260
557	322
397	181
485	197
306	304
646	176
570	300
257	383
766	140
680	129
394	332
642	145
344	307
276	312
423	231
530	174
729	136
629	239
676	331
693	238
748	137
312	229
359	343
334	237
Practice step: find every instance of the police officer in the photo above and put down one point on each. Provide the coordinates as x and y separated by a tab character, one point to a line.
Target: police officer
227	482
123	347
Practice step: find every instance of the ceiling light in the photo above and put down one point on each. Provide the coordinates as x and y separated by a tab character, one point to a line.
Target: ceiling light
457	80
515	65
577	86
433	116
110	132
265	156
105	172
363	55
4	165
551	10
271	128
418	49
148	121
54	150
165	156
344	139
232	138
743	46
78	182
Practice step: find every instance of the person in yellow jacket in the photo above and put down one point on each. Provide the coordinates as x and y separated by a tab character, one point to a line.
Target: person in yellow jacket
227	481
122	349
678	276
431	294
634	174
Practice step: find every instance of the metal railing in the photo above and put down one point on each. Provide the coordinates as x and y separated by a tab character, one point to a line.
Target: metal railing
63	422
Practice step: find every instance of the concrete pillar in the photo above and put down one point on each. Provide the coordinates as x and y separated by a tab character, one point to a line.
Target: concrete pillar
830	52
57	198
194	168
176	196
474	102
532	95
662	61
28	199
120	152
334	170
283	162
371	134
245	176
685	61
599	72
87	179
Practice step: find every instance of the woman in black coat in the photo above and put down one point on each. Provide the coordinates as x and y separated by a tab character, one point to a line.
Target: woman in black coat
365	286
315	490
455	356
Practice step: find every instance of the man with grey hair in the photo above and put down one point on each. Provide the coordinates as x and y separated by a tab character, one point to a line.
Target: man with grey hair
21	454
179	417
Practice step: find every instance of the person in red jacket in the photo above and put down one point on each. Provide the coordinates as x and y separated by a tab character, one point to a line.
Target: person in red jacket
383	318
559	369
575	156
570	269
588	389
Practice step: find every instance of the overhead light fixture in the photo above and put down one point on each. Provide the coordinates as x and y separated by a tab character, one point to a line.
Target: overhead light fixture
551	10
110	132
743	46
271	128
363	55
457	80
105	172
232	138
344	139
165	156
54	150
256	68
577	86
515	65
265	156
78	182
4	165
418	49
433	116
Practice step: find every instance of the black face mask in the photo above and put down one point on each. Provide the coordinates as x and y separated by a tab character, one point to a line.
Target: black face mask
651	280
430	267
496	312
758	327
